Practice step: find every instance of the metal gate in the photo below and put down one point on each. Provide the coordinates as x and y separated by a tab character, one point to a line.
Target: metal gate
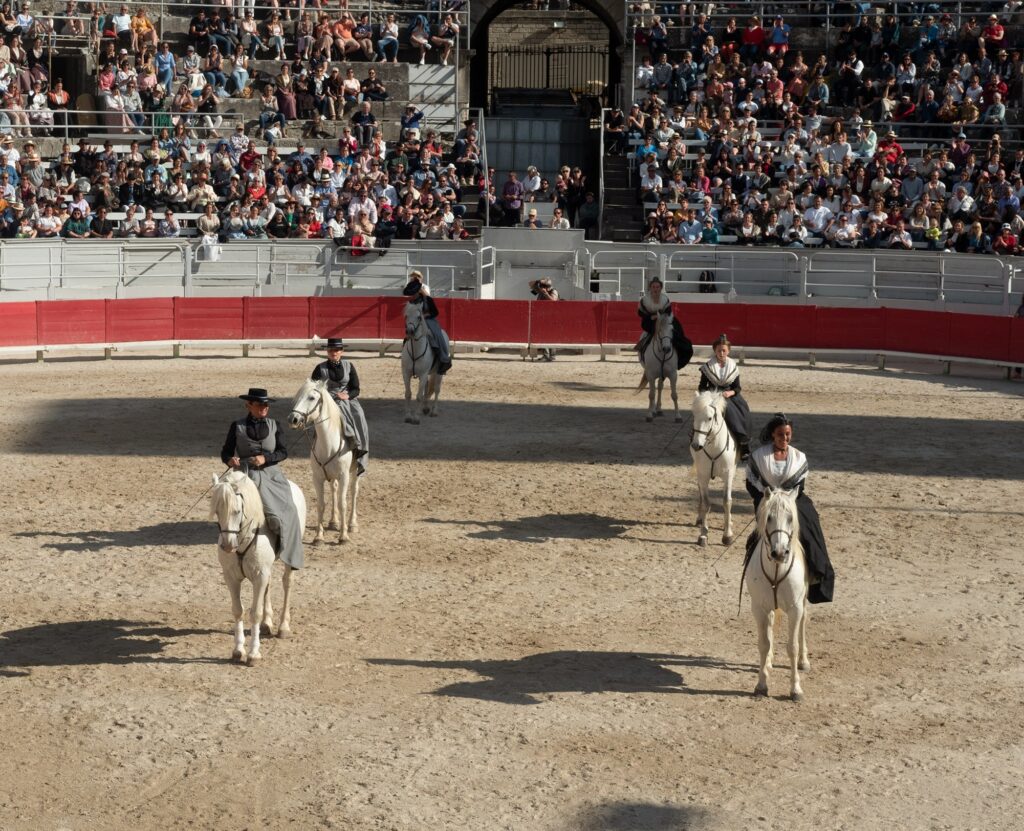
581	68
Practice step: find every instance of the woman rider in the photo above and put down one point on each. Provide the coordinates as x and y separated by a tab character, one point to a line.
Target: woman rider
419	292
721	374
655	303
255	446
343	385
777	464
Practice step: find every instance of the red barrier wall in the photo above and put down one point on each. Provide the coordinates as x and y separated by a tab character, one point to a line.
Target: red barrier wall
44	323
151	318
275	317
18	325
71	321
208	318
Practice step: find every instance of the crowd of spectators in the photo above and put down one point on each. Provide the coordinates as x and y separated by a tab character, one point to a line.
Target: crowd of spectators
572	204
173	185
894	138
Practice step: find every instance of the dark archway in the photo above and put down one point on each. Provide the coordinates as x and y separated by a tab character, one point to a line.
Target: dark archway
480	44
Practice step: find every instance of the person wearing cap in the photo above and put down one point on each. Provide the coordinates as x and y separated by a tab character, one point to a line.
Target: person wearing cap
777	464
532	221
343	384
255	445
418	292
1005	244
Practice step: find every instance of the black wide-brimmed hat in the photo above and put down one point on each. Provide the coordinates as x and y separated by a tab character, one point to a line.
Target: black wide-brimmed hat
257	394
335	343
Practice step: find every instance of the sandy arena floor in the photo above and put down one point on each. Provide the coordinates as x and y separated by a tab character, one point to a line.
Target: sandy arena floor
524	634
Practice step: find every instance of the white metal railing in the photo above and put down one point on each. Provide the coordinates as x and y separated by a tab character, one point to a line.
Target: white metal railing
611	263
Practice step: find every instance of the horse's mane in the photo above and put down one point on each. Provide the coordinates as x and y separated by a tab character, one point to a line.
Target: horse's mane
778	499
223	496
710	398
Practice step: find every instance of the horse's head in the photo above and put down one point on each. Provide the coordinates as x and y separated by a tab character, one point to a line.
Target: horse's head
663	326
413	318
708	409
307	404
778	523
236	508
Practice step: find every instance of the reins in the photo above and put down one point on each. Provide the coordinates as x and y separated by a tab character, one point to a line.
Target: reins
237	531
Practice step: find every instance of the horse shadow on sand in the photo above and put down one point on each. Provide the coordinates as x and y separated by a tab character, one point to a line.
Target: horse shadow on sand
165	534
531	679
545	527
641	816
84	642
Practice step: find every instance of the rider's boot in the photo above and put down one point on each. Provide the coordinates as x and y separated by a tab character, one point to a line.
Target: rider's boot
744	450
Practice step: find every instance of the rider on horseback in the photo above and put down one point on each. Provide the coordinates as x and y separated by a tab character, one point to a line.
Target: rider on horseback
655	303
777	464
343	385
255	445
419	292
721	374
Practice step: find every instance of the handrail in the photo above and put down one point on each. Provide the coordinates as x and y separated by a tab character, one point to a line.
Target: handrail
62	123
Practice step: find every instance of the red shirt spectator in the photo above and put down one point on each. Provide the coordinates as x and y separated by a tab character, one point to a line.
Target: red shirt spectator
1005	243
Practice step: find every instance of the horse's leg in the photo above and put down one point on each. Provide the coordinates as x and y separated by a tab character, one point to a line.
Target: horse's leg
651	392
267	618
344	471
353	522
318	486
414	407
795	616
765	621
673	378
234	585
408	397
437	394
337	516
805	661
285	629
727	535
259	592
703	506
426	384
661	389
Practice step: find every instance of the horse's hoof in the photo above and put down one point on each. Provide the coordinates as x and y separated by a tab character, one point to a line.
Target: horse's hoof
761	691
426	411
334	526
353	528
284	632
266	630
317	539
343	540
238	656
702	541
659	414
804	665
414	421
796	697
679	419
408	420
433	415
727	539
649	419
254	660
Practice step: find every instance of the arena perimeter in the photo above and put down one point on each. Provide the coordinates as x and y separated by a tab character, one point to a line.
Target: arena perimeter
523	634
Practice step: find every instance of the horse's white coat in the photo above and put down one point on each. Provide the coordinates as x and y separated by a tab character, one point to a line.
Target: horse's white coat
715	454
236	506
418	360
779	560
331	458
661	362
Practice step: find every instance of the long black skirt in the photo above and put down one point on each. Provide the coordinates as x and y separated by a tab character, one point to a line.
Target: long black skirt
737	418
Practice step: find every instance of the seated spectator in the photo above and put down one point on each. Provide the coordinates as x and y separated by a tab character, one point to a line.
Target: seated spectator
1005	244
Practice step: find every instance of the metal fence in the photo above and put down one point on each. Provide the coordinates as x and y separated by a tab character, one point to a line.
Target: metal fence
580	68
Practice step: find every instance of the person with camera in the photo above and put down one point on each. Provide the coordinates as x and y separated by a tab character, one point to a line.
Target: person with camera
544	290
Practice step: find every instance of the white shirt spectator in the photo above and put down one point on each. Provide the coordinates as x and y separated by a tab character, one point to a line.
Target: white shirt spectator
122	22
303	194
817	218
836	152
367	204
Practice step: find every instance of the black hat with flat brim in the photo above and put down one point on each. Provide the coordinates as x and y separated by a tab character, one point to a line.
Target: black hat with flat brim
257	395
335	343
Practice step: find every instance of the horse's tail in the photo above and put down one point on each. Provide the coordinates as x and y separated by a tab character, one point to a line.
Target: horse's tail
643	384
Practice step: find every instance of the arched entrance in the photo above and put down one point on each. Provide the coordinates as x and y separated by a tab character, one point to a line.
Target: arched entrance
544	66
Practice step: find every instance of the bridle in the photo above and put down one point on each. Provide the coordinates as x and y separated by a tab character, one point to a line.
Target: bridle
710	433
665	342
777	580
238	531
319	410
412	338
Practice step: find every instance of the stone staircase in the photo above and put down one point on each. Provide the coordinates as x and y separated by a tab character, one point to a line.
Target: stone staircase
622	214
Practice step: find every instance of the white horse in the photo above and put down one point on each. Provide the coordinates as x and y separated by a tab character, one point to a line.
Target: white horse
245	551
660	362
418	359
777	579
715	454
331	458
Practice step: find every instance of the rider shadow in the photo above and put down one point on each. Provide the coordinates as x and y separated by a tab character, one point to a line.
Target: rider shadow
162	534
83	642
525	680
546	527
640	816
